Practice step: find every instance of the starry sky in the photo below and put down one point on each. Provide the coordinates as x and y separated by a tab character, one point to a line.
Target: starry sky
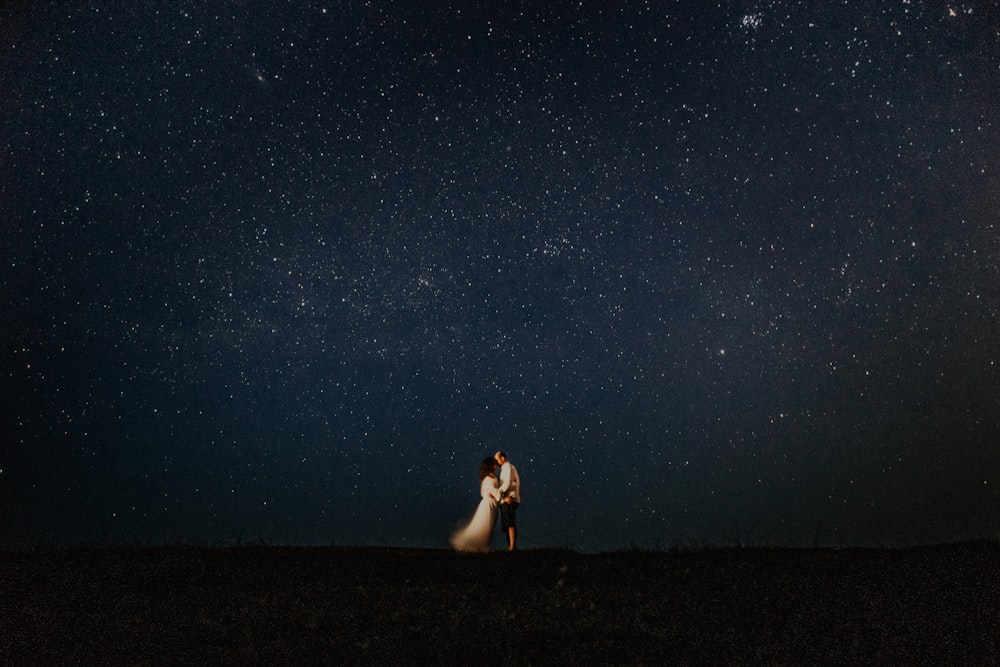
709	272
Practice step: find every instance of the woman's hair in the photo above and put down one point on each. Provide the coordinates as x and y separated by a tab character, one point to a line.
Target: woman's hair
486	467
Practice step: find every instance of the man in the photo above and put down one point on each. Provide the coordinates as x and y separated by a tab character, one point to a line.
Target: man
510	498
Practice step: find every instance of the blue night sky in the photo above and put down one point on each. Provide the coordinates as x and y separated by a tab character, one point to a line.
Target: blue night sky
707	271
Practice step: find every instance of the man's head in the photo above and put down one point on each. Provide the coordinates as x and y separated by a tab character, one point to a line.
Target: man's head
500	458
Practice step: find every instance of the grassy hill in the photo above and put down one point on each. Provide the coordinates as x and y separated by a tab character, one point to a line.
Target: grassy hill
284	605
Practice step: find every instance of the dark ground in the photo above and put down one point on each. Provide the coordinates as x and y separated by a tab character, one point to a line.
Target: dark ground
279	605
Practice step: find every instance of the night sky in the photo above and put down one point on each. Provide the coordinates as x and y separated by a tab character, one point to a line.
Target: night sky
709	272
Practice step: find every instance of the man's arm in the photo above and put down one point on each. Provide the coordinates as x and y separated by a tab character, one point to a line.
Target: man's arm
504	478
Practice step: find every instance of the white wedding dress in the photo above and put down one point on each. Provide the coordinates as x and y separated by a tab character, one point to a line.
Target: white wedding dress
475	536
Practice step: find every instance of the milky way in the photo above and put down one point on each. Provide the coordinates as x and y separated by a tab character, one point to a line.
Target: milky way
708	272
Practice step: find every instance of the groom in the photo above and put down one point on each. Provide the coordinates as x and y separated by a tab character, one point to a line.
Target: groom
510	498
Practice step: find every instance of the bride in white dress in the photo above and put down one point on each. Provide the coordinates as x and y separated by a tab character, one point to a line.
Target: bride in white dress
475	536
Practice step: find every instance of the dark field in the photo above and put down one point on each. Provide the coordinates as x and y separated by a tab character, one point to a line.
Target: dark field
277	605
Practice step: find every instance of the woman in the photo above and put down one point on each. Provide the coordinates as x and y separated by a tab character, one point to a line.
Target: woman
476	535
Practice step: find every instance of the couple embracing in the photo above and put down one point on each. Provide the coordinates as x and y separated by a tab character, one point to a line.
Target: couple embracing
503	494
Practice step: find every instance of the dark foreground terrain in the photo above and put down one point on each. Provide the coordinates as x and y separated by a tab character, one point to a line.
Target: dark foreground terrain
277	605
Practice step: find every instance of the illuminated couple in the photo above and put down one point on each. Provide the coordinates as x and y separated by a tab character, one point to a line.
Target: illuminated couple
501	494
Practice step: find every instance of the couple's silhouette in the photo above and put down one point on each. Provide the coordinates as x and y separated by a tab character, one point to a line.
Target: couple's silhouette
501	494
